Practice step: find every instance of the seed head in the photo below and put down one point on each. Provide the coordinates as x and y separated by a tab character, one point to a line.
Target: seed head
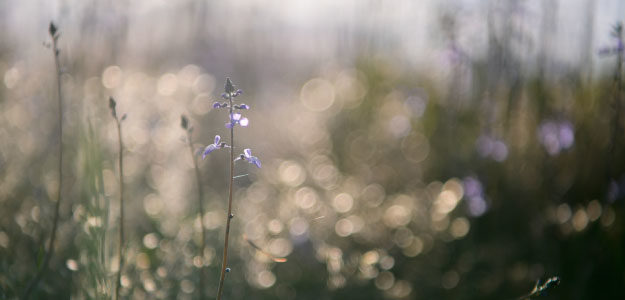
112	105
184	122
52	29
229	88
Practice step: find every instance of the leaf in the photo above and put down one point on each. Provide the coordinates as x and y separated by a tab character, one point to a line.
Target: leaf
40	255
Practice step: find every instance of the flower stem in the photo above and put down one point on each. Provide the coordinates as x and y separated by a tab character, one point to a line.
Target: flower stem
224	261
120	261
57	207
200	194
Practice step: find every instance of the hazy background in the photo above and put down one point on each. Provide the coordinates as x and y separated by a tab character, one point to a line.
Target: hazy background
410	149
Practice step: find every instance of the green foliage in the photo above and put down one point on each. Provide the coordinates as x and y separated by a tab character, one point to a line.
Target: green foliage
91	215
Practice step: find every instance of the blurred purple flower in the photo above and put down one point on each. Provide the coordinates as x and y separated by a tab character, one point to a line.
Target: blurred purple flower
212	147
474	193
490	147
607	51
617	33
616	189
472	186
556	136
247	156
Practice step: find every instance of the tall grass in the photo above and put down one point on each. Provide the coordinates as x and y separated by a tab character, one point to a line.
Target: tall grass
92	214
54	35
120	246
184	123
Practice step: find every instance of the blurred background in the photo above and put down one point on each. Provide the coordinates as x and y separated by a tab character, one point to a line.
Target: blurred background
411	149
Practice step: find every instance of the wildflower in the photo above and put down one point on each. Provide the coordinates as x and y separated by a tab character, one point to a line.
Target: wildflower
220	105
212	147
247	156
556	136
235	119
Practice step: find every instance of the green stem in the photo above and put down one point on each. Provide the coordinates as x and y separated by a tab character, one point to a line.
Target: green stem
120	261
616	121
224	261
57	207
200	193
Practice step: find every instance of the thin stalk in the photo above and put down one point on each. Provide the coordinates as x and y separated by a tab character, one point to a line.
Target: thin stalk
120	262
616	120
618	88
200	193
57	207
224	261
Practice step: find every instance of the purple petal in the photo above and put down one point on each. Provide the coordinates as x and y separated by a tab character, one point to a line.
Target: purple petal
229	125
244	106
255	161
210	148
247	153
236	116
217	139
244	122
216	105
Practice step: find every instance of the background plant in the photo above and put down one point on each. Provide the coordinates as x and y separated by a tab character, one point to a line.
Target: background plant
121	237
43	264
184	123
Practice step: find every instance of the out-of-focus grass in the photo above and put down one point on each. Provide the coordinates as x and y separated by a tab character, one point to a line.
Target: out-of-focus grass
376	192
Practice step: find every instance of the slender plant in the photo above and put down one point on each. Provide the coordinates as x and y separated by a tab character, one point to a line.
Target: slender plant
54	35
184	123
235	118
120	246
617	33
617	94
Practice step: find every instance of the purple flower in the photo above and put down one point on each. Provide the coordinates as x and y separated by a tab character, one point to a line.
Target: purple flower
474	196
556	136
212	147
242	106
247	156
491	147
220	105
235	119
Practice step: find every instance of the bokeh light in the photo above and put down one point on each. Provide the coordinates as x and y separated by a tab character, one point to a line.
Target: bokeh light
410	150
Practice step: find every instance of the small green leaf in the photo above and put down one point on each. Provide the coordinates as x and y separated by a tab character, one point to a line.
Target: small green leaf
40	255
